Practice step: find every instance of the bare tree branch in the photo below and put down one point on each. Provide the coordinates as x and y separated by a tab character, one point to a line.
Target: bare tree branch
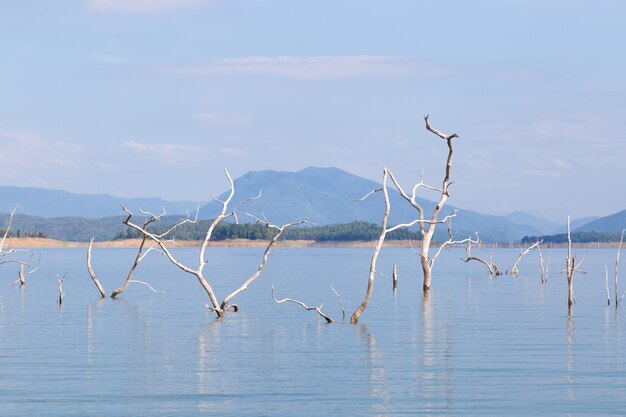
343	310
6	232
141	254
92	274
470	257
544	266
515	270
198	272
427	228
379	243
266	253
616	276
300	303
570	267
22	274
61	295
606	285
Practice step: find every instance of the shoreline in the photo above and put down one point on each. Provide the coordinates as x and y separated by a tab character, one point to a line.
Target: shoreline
23	243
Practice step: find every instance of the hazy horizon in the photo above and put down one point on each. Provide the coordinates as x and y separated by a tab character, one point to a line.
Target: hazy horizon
154	98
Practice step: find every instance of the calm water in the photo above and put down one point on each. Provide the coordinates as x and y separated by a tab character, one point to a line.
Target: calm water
477	346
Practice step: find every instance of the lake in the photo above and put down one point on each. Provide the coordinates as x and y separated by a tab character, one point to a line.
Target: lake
477	346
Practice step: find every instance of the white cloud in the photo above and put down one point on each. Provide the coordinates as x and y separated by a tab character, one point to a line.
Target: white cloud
169	153
318	67
230	151
144	6
528	172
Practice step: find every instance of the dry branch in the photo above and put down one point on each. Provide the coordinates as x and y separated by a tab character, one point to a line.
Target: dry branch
6	233
198	272
141	254
570	267
22	274
427	228
92	274
343	310
300	303
61	295
619	250
268	249
515	270
492	269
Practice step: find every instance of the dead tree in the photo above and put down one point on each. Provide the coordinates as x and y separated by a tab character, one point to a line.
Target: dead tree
22	274
570	268
395	278
619	250
142	252
3	251
61	295
515	270
544	266
306	307
198	272
492	268
427	228
92	274
381	239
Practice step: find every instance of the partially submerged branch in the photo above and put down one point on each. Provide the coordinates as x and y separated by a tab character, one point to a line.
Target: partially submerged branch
141	253
515	270
92	274
619	250
306	307
6	233
570	267
22	273
492	269
198	272
268	249
343	310
61	295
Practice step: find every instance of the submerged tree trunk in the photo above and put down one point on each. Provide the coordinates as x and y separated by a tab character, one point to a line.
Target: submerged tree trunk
428	232
92	274
379	244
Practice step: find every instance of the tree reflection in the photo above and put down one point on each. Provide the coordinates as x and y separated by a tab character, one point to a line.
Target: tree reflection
379	389
436	378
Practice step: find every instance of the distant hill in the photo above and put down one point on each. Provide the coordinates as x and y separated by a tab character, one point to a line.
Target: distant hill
613	223
74	229
576	223
328	196
54	203
542	225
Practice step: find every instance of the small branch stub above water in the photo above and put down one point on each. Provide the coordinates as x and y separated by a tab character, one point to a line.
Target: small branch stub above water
306	307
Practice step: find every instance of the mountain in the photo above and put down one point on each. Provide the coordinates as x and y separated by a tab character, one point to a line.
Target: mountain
328	195
54	203
576	223
545	227
614	223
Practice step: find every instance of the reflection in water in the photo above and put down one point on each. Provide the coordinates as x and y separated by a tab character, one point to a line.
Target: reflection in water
90	328
211	381
378	386
570	355
435	357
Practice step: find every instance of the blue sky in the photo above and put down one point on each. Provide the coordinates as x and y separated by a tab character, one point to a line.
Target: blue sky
155	97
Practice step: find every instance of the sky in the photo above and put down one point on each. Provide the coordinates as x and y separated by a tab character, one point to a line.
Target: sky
156	97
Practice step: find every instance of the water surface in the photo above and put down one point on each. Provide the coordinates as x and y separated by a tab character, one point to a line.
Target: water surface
476	346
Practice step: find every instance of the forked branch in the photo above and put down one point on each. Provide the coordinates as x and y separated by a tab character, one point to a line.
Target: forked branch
268	249
515	269
306	307
469	257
